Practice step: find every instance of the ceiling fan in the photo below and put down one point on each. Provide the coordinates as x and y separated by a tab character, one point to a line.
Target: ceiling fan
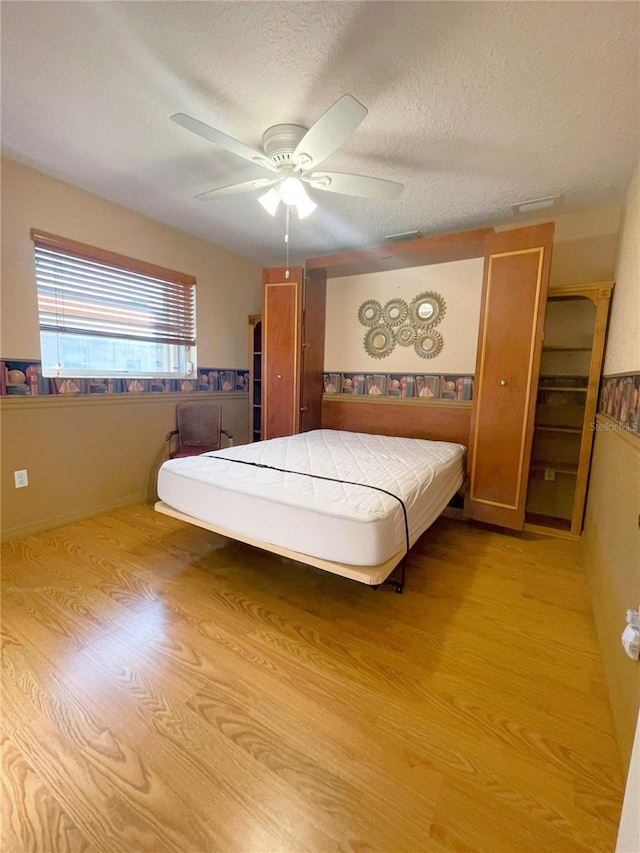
293	153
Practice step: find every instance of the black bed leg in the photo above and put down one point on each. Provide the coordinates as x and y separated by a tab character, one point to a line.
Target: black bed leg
398	585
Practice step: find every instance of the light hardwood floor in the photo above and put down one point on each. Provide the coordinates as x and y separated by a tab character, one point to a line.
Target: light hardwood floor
168	690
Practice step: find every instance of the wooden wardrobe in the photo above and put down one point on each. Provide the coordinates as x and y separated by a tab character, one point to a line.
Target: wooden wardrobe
514	294
514	297
293	321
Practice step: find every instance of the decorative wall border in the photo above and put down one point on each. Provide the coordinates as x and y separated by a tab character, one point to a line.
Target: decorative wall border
620	400
20	378
425	386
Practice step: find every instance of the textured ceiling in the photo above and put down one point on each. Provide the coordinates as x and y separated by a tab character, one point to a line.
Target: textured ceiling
473	106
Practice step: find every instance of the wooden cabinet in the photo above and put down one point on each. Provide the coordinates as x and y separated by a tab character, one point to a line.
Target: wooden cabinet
255	377
293	318
281	351
515	283
567	394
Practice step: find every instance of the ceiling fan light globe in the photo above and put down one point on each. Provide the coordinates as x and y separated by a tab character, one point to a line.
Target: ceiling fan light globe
305	207
292	190
270	201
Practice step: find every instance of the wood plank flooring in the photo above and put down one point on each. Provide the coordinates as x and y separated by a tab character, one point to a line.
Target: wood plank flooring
165	689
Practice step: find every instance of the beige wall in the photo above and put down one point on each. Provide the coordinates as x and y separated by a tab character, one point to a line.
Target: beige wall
85	455
584	244
228	285
88	454
623	346
459	283
612	532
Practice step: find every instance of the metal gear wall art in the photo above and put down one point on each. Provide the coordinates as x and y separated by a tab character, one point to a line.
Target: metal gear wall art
406	325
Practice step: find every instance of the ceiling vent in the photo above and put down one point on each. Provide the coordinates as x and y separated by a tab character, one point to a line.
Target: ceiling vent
535	204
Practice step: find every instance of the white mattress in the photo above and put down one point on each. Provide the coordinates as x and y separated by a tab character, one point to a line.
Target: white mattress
333	521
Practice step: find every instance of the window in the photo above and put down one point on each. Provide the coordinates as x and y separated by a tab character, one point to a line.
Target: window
103	314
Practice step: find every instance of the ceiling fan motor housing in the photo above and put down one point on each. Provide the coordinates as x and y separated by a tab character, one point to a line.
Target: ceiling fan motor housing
280	141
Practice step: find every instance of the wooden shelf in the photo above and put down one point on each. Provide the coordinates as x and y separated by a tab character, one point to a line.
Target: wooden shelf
559	428
549	525
566	349
562	388
559	467
548	521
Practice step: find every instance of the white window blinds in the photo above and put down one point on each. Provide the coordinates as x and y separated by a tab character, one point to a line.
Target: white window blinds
87	291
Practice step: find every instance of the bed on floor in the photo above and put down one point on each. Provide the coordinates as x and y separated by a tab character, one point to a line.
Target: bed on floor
349	503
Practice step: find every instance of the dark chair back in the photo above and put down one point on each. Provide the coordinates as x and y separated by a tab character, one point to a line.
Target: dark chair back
199	429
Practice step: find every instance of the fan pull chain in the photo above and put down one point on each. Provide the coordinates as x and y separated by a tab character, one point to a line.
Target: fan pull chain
286	238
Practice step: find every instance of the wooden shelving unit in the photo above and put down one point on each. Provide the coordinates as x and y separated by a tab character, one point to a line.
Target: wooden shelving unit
575	328
255	377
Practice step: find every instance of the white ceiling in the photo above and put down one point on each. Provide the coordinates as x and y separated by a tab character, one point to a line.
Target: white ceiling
472	105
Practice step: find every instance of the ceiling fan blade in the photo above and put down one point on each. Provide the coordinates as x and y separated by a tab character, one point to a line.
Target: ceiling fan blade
359	185
243	187
220	138
329	132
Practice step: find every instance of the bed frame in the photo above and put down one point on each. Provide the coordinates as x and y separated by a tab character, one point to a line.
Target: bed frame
373	576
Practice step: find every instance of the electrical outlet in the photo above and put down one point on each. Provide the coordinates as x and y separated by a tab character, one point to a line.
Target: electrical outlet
21	478
549	474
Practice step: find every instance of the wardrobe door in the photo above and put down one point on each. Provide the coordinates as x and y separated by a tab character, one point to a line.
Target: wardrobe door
515	283
315	298
281	351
